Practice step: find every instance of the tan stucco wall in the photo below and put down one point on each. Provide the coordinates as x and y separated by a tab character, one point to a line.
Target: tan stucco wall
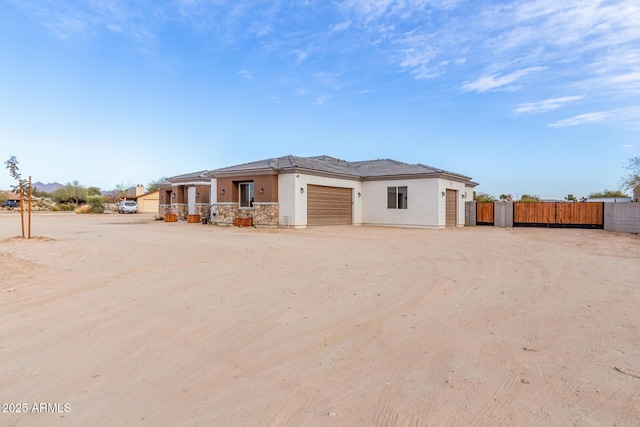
148	203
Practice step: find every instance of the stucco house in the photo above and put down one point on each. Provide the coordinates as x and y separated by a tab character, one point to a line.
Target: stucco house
147	202
184	195
297	192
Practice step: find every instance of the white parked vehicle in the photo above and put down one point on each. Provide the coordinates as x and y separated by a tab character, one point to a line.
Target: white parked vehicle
128	206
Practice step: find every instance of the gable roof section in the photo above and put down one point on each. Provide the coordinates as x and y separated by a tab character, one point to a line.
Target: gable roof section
319	164
389	167
147	194
187	177
368	169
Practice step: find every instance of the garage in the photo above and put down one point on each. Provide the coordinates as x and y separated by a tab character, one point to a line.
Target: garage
328	205
451	208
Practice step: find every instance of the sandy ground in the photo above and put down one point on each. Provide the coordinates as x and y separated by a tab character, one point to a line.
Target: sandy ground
129	321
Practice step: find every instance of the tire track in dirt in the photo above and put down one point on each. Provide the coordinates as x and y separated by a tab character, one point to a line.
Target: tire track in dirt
626	417
301	414
596	342
500	400
386	414
426	407
414	397
532	335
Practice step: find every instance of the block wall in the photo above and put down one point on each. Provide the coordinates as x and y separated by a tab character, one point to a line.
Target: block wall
622	217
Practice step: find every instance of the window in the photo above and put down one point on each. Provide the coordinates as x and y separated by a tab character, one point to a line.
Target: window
246	194
396	197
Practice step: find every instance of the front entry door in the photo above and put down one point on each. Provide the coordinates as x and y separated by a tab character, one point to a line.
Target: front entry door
451	208
191	200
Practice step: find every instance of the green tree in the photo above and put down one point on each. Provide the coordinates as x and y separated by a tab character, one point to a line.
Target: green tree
483	197
96	204
72	192
153	185
506	197
94	191
607	193
570	198
632	179
529	198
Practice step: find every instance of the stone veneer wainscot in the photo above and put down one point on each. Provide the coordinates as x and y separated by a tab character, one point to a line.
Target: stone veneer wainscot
263	214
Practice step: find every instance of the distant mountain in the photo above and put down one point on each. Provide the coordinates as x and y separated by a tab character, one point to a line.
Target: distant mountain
47	188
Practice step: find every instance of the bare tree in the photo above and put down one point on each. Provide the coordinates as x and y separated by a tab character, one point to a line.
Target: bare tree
632	180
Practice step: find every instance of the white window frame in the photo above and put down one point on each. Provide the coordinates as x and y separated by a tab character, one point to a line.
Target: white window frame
398	202
248	187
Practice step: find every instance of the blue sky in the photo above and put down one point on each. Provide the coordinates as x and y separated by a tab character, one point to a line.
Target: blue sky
539	97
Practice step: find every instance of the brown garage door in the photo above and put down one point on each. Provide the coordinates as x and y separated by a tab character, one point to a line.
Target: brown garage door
452	200
328	205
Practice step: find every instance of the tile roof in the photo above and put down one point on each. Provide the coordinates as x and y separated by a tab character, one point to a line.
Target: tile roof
327	164
186	176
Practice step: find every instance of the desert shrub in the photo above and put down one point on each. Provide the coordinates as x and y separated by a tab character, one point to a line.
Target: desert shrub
529	198
45	203
96	204
54	208
483	197
67	207
84	209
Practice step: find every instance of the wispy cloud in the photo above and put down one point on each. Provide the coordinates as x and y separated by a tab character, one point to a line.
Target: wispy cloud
326	79
300	54
374	9
87	19
494	81
629	80
246	74
629	116
343	26
581	119
545	105
583	46
417	55
321	99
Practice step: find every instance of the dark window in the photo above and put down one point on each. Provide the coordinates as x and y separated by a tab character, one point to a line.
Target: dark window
402	197
397	197
246	194
391	198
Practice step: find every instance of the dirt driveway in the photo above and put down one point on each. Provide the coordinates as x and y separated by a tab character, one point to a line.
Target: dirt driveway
121	320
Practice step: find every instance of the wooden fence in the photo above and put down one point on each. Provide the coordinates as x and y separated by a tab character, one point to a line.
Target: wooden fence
558	214
485	213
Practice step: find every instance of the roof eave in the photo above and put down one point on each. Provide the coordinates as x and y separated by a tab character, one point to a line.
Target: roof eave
298	169
230	174
455	177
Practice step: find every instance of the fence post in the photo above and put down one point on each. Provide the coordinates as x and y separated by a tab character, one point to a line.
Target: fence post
503	214
498	214
470	213
508	214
